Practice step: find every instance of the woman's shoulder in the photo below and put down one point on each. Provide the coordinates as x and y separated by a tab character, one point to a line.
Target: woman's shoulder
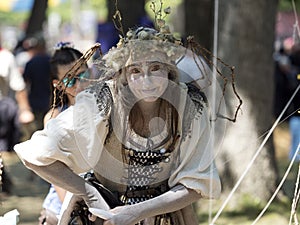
99	88
196	94
196	104
102	94
51	114
195	98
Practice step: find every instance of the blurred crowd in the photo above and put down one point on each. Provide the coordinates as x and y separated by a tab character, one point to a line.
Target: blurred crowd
28	77
287	80
24	94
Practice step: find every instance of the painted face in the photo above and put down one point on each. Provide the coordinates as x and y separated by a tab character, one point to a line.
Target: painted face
147	80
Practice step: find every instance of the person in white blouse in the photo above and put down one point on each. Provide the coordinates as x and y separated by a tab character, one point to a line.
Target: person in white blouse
14	108
145	136
13	85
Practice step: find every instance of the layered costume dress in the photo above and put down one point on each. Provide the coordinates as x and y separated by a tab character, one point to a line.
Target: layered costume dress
86	137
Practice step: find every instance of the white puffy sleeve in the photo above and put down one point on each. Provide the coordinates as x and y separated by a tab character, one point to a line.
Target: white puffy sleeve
75	137
195	168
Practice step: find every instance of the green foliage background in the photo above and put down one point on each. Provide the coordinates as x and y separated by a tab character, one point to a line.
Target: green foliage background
64	10
286	5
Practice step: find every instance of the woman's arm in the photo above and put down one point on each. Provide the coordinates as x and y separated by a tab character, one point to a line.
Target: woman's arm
61	193
59	174
173	200
50	114
176	198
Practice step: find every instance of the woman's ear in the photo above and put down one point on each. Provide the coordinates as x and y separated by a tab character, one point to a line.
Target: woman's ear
55	84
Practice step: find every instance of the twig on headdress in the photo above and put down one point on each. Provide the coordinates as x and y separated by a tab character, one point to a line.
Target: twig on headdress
199	50
159	18
117	19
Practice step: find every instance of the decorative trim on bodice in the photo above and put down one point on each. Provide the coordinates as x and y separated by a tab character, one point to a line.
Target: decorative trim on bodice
103	96
195	102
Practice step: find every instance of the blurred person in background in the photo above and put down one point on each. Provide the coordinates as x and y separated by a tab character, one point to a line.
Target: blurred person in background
63	59
14	107
282	70
25	52
287	70
37	77
293	83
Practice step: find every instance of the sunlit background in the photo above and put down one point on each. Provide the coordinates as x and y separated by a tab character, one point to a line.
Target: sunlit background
63	23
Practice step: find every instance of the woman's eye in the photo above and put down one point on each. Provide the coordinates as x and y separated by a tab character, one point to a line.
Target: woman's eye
155	68
134	71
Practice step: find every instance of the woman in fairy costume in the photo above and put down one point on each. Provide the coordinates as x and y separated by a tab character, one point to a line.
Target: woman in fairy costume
144	134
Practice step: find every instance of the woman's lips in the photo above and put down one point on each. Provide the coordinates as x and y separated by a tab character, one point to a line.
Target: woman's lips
149	91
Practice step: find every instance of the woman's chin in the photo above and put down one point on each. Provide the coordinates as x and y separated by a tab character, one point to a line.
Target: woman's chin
150	99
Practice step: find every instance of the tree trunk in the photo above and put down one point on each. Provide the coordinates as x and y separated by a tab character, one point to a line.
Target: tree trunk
246	38
37	17
199	21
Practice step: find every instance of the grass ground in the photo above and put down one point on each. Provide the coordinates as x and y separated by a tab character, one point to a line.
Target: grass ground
29	191
248	207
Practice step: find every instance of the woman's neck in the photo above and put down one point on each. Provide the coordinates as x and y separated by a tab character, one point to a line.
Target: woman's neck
149	109
71	99
148	123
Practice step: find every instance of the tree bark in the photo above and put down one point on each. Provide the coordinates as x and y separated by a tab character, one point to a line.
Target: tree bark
37	17
199	21
246	38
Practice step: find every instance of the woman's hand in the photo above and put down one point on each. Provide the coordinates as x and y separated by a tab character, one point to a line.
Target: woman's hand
123	215
26	116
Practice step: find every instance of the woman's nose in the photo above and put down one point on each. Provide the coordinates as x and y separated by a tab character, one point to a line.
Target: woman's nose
147	80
